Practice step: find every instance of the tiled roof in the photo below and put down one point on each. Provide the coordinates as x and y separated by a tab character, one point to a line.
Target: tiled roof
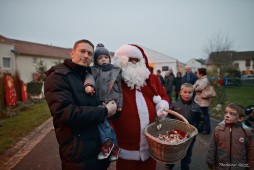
35	49
5	40
225	57
245	55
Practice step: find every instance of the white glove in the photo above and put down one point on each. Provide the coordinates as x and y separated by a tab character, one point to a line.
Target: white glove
162	104
161	113
111	106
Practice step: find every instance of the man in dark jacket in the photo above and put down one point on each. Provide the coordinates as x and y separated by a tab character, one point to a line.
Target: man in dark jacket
75	113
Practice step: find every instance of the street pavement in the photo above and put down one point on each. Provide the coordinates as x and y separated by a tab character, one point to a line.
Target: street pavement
40	152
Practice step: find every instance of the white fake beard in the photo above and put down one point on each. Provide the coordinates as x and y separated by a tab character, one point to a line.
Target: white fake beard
135	75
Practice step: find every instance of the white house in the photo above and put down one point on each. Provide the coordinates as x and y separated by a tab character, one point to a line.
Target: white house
195	64
243	60
163	62
22	57
7	58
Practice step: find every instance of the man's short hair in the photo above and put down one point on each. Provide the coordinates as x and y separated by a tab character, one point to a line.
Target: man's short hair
82	41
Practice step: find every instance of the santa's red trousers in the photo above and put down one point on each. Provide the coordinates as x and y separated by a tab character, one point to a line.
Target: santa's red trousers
123	164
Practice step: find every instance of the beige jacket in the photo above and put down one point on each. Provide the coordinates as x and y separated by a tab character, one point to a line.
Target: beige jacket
199	86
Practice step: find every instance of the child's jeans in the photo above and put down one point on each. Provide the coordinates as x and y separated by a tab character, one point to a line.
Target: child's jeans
106	132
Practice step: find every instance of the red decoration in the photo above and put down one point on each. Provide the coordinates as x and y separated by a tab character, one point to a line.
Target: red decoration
179	132
221	81
10	95
24	92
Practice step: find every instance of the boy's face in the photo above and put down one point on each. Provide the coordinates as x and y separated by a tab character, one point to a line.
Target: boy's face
186	93
103	59
231	116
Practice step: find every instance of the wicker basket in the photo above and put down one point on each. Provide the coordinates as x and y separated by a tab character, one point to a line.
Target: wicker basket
169	152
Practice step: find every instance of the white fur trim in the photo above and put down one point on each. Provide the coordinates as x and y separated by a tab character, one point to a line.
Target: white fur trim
134	155
143	152
144	121
156	99
128	51
163	104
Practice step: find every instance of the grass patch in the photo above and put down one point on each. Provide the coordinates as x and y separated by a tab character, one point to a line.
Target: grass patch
242	94
14	128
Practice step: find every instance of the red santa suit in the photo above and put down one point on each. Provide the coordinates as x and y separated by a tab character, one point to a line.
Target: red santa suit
140	105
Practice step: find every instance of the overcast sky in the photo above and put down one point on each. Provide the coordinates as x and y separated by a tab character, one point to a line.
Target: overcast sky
177	28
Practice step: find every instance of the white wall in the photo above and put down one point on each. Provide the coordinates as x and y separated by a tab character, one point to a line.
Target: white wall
26	67
5	51
194	64
242	65
159	60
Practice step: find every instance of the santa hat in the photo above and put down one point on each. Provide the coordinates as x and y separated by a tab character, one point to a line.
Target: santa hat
121	57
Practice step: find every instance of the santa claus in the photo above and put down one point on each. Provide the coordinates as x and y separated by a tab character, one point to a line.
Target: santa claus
143	97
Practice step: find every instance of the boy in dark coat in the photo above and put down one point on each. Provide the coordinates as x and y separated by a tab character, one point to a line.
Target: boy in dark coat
192	112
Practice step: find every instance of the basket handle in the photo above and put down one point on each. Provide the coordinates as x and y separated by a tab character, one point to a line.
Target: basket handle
177	115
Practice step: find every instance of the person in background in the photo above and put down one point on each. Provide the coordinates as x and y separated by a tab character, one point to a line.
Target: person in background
189	76
169	81
160	77
151	69
204	103
143	98
76	115
192	112
220	81
177	84
106	82
250	120
232	144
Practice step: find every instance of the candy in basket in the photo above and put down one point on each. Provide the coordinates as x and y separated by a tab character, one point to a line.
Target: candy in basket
169	140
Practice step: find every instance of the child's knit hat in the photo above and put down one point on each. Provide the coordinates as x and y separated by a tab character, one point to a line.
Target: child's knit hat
100	50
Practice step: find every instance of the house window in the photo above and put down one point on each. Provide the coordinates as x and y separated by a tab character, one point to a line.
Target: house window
236	65
34	60
247	63
164	68
6	62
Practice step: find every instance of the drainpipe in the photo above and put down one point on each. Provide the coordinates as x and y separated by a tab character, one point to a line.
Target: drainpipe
15	58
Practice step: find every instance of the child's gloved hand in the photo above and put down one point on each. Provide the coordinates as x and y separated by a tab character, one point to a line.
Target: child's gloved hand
161	113
89	90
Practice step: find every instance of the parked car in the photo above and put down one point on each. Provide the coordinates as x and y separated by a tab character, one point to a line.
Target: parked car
247	76
247	79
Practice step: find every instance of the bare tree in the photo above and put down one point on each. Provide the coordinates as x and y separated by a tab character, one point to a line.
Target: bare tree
219	42
219	52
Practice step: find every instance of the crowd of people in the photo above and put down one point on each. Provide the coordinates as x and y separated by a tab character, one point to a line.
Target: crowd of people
100	112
